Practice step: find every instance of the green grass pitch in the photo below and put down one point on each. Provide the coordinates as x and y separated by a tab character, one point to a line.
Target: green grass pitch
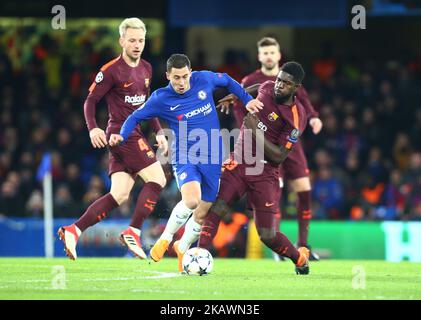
238	279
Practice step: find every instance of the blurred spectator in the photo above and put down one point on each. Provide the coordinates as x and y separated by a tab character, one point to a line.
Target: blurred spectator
10	201
325	67
231	65
64	205
413	179
402	151
394	197
376	166
328	193
72	179
370	198
35	205
365	162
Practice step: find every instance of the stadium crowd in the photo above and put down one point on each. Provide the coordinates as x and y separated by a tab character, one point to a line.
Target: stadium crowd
365	164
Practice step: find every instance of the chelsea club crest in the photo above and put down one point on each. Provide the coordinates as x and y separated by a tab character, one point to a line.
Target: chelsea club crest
201	95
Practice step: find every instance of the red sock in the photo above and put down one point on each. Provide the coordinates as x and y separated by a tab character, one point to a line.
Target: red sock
146	202
304	216
96	212
209	230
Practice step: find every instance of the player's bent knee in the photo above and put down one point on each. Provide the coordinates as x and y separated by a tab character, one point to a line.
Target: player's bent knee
199	220
267	240
200	215
120	197
192	203
220	208
162	181
154	173
267	236
301	184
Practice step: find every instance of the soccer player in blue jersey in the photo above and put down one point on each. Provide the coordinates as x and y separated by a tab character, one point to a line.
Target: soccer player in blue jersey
187	105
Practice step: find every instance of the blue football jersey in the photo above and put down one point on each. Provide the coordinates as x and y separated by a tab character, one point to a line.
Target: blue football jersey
192	116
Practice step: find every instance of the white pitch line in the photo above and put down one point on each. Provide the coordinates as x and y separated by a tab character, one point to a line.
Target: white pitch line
160	275
159	291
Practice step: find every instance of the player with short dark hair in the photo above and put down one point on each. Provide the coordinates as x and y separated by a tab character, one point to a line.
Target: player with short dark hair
282	121
295	167
178	61
187	105
125	84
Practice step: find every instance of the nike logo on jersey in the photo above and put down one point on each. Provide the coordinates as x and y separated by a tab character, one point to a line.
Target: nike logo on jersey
267	204
126	85
173	108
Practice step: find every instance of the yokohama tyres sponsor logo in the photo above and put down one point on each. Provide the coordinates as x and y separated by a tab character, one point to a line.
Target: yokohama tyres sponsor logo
206	109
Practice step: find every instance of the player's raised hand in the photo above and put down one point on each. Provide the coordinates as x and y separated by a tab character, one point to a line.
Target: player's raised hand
316	124
226	102
115	139
254	106
251	121
98	138
162	144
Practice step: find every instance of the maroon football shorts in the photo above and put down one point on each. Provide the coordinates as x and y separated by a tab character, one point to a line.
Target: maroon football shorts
295	165
131	157
261	190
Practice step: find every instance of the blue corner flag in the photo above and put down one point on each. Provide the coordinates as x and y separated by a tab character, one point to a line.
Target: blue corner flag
44	166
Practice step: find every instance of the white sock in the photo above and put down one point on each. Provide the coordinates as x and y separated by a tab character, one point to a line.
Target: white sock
191	234
78	231
179	216
135	230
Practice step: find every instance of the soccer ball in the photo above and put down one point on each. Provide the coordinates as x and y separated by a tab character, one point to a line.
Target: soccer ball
197	261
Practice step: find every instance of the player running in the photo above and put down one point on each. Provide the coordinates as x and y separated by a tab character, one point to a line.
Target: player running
294	168
187	106
124	82
282	120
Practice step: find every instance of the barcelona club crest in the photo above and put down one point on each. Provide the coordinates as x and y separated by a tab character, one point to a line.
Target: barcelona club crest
202	95
147	82
272	116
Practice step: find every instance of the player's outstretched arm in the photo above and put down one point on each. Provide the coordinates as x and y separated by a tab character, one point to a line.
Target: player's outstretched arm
148	110
129	125
162	143
224	80
275	153
229	99
253	90
115	140
254	106
226	102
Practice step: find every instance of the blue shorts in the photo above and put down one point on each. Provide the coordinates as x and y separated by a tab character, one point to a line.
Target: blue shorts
208	175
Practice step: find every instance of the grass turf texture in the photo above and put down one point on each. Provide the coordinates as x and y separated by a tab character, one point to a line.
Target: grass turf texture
238	279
